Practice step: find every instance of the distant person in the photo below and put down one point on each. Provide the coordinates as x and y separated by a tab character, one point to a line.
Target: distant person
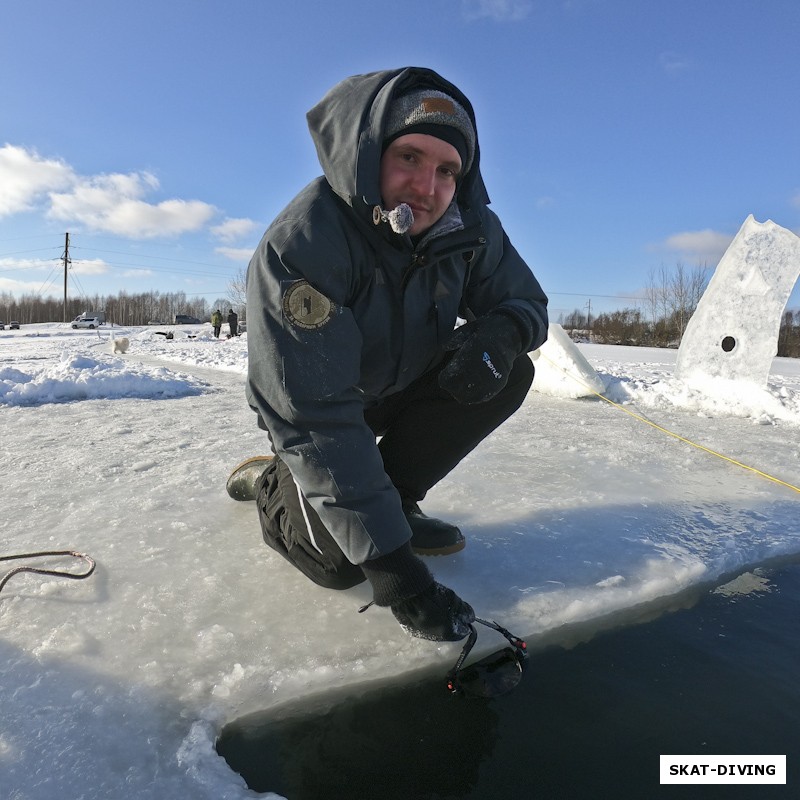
216	321
233	322
353	298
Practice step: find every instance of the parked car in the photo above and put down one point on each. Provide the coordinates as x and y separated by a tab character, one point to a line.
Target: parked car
89	319
98	315
87	322
2	325
14	326
184	319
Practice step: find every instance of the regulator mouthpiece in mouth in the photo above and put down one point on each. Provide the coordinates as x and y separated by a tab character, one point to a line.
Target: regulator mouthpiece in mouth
400	219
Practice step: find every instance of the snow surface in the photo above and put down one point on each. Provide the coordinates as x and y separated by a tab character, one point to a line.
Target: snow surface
117	685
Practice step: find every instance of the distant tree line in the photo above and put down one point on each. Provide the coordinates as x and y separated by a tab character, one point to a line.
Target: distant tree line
789	336
629	327
121	309
669	301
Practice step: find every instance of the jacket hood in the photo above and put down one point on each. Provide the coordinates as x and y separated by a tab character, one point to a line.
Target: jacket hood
347	127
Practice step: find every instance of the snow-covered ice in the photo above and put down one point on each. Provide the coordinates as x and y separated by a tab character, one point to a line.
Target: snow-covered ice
116	685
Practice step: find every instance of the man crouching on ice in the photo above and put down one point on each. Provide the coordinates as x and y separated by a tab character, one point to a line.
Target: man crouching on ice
352	300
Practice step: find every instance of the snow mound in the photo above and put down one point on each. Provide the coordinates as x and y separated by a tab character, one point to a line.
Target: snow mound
81	377
562	370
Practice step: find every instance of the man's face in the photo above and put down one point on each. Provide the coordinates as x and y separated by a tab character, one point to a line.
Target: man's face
421	171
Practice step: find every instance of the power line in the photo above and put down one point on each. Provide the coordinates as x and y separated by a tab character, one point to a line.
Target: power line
224	271
50	279
39	265
158	258
23	252
594	294
148	268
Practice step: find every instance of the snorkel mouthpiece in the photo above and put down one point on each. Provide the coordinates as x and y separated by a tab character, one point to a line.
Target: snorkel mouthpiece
400	219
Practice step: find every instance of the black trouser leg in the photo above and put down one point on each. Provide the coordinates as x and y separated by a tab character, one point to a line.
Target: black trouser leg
426	432
291	527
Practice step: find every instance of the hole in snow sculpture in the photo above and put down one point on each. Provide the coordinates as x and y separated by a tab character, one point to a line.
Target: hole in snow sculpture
733	334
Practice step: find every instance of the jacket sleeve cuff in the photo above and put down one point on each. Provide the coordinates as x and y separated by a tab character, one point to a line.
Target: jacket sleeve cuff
397	576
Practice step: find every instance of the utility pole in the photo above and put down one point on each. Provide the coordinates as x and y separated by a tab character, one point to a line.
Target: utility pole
67	261
589	318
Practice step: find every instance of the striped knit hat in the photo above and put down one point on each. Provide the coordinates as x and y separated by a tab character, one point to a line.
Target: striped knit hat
434	113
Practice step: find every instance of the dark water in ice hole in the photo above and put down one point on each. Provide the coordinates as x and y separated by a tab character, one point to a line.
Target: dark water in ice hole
712	674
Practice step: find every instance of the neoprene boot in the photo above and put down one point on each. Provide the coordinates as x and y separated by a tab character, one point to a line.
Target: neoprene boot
243	481
431	536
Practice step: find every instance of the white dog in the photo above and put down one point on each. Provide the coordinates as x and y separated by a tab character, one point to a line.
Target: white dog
120	345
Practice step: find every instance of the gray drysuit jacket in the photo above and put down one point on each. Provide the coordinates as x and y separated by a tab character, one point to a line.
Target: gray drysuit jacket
342	311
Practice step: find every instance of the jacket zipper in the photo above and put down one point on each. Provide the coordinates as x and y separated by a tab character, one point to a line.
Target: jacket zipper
419	260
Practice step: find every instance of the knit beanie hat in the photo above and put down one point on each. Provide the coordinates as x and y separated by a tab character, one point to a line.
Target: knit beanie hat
436	114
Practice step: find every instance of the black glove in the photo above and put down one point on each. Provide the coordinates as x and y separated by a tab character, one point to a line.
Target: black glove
485	351
438	614
425	608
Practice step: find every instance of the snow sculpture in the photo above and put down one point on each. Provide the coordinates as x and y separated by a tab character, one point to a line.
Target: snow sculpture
733	334
562	370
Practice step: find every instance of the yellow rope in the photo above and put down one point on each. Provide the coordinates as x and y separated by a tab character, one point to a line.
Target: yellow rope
671	433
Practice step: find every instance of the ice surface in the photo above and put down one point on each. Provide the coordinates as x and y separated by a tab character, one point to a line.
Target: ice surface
733	334
116	685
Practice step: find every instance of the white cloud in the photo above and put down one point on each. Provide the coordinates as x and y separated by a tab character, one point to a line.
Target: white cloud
236	253
25	177
13	264
229	230
137	273
795	201
114	204
89	267
47	267
701	246
19	287
498	10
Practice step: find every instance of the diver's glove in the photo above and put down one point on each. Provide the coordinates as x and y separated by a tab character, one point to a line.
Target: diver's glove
438	614
485	350
424	608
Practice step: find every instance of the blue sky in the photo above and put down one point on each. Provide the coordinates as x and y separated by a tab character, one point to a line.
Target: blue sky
618	136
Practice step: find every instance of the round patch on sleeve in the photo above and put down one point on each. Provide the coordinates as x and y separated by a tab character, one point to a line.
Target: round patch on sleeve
305	307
